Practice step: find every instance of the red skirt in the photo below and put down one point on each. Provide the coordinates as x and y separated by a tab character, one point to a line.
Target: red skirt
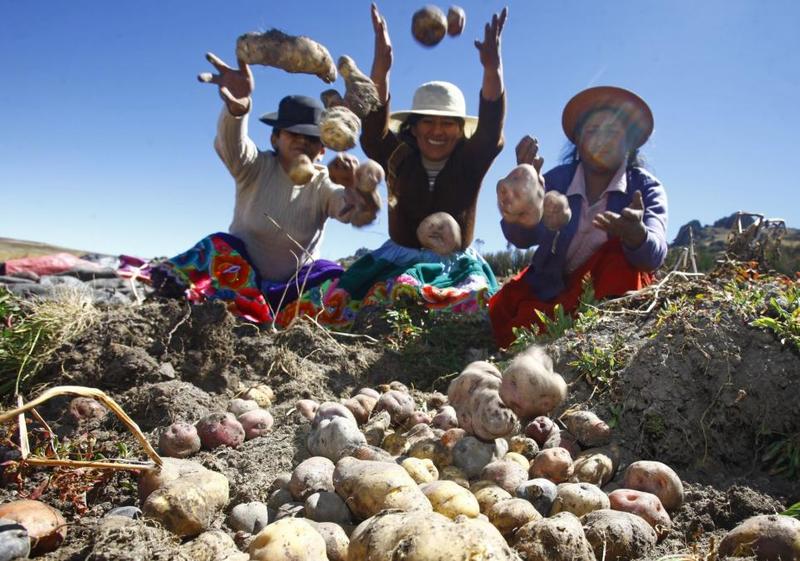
515	304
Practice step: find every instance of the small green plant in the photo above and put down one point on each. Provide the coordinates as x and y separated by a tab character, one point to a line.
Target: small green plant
793	511
782	456
601	364
783	317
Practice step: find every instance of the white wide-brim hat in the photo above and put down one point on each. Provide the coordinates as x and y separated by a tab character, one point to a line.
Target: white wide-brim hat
440	99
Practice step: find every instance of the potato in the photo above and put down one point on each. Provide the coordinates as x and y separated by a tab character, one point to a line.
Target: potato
301	170
237	406
399	404
331	410
395	443
179	440
451	437
334	438
86	408
249	517
432	449
369	487
261	394
437	400
486	416
171	470
377	428
530	387
618	535
374	453
213	545
454	474
540	429
656	478
523	446
594	465
456	19
361	407
220	429
421	536
369	392
767	536
336	540
45	526
472	455
451	499
188	505
281	481
488	494
510	515
429	25
339	128
361	95
331	98
556	212
554	464
289	539
644	505
421	471
559	538
257	422
440	233
562	439
307	408
589	429
445	418
15	543
327	507
369	174
579	498
507	475
520	194
291	509
278	498
540	492
517	459
289	53
311	476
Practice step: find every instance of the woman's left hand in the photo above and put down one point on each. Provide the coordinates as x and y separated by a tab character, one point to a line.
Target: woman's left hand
489	49
628	226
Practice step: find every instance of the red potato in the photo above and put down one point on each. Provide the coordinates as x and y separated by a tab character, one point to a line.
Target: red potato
257	422
301	170
45	525
220	429
85	408
588	428
644	505
563	439
360	95
656	478
530	387
437	400
456	19
440	233
554	464
540	428
445	418
289	53
429	25
399	404
520	196
330	410
179	440
555	211
361	407
307	408
418	418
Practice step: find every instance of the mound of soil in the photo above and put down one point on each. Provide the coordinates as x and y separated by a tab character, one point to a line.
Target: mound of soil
691	385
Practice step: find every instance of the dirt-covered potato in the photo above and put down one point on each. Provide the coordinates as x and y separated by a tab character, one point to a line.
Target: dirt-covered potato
767	536
579	498
456	19
361	407
510	515
540	429
450	437
179	440
369	487
369	174
238	406
588	428
418	418
454	474
524	446
374	453
506	474
420	470
644	505
213	545
336	540
556	212
429	26
361	95
618	535
331	410
85	408
530	387
540	492
558	538
170	470
288	538
440	233
377	428
445	418
520	196
249	517
339	128
255	423
334	438
289	53
451	499
311	476
656	478
471	455
488	494
327	507
432	449
517	458
554	464
307	408
301	170
399	404
474	394
45	525
220	429
261	394
595	465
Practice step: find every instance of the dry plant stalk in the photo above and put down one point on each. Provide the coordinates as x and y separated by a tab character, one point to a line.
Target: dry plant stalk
82	391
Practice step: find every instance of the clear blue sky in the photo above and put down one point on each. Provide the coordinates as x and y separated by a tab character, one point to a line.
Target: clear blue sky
106	136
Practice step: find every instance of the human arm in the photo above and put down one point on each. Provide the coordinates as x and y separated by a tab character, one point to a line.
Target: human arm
490	57
382	60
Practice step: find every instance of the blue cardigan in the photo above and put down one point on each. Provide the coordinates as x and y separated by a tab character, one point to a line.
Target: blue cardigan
547	274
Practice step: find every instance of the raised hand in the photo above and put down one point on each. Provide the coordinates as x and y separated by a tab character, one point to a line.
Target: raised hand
628	225
383	57
342	170
528	152
236	85
489	49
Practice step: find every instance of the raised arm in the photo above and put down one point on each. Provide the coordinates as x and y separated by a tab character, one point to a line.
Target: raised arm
491	58
382	61
236	85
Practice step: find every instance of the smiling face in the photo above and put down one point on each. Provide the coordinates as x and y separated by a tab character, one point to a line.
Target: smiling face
290	145
602	140
437	136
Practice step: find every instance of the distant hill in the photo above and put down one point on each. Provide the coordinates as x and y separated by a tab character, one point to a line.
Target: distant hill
17	249
710	242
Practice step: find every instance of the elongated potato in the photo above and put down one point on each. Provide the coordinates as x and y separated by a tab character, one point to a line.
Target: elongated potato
451	499
657	478
588	428
292	54
644	505
188	505
360	95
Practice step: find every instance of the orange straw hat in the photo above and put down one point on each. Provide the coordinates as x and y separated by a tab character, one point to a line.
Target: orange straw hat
630	106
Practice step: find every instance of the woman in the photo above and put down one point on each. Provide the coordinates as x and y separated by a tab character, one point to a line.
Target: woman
435	157
617	230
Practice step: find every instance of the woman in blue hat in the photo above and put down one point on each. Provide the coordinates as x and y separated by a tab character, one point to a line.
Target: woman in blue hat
270	254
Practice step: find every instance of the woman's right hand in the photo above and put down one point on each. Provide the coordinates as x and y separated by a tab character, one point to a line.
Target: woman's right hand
382	61
236	85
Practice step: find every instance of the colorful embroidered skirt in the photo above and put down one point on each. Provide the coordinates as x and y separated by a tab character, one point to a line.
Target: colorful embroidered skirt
219	268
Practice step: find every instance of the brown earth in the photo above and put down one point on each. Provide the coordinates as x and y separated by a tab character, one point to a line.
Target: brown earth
693	386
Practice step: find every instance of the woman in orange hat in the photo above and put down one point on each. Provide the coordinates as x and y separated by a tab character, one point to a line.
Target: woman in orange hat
604	215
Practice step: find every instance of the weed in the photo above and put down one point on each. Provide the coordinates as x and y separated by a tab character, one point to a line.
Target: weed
783	317
793	511
600	365
782	456
404	326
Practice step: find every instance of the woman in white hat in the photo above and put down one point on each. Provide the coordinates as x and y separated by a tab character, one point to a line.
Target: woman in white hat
608	220
435	157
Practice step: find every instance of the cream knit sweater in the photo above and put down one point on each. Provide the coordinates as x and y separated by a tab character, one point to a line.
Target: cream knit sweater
263	190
